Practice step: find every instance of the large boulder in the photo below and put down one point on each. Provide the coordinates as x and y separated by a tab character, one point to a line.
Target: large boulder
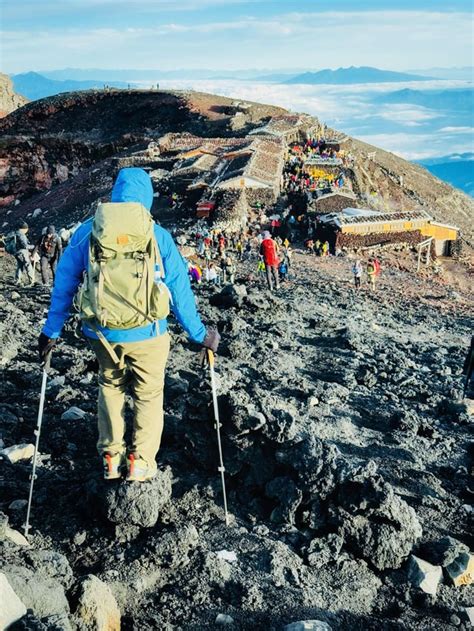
96	608
230	296
45	596
135	503
424	575
51	565
374	522
11	607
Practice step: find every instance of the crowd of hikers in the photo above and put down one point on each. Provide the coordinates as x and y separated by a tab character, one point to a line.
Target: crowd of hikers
314	181
220	252
219	256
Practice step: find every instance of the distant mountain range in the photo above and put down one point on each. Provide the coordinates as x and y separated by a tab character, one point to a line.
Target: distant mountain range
347	76
457	99
280	75
456	169
149	74
35	86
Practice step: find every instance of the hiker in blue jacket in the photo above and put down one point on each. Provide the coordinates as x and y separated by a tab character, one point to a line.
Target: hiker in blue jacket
143	350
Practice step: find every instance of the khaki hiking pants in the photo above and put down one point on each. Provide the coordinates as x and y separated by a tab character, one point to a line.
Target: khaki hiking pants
144	371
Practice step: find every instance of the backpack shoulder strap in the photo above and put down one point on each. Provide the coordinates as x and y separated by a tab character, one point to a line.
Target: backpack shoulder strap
158	259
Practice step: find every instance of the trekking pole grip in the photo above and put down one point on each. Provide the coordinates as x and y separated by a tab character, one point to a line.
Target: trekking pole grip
47	362
210	356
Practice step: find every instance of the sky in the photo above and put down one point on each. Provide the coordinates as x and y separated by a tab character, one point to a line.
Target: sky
234	34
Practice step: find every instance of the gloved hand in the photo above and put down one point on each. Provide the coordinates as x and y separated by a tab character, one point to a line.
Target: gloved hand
45	346
212	339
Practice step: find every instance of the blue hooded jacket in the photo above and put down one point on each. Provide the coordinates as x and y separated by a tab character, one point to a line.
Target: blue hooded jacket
131	185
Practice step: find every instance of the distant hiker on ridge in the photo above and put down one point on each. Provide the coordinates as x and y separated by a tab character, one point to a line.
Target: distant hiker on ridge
131	268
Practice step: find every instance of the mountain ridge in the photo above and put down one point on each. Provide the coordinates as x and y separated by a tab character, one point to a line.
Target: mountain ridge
456	169
354	75
36	86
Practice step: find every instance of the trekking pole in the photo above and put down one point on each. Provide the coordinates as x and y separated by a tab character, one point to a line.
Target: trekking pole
470	369
221	467
46	367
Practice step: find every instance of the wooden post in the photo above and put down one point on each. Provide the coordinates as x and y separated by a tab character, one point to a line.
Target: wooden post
421	246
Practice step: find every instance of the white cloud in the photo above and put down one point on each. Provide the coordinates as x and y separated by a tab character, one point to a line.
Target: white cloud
417	146
410	114
457	130
387	39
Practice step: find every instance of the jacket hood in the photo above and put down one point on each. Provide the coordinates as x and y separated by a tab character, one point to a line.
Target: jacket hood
133	185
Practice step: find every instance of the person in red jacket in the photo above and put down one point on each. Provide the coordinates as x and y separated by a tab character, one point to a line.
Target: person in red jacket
269	251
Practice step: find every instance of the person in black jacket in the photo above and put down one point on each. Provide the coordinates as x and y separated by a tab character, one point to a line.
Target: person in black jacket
49	248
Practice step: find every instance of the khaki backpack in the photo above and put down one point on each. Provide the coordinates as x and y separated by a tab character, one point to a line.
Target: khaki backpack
123	286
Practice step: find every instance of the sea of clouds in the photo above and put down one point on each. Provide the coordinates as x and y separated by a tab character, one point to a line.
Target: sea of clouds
411	131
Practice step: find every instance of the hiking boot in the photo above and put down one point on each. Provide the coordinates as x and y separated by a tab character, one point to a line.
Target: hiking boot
113	465
138	470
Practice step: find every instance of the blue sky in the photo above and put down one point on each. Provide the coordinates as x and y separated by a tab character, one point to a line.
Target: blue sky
234	34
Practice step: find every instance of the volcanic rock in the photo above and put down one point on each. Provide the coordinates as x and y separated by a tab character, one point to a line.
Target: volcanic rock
443	551
16	537
324	550
136	504
73	414
18	505
230	296
45	596
313	380
15	453
51	565
289	498
461	570
96	608
424	575
12	608
308	625
171	550
376	522
470	614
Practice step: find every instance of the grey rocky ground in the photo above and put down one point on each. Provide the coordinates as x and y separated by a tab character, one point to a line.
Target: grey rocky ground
346	449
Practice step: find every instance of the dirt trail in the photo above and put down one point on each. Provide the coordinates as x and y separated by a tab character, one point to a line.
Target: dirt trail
345	448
